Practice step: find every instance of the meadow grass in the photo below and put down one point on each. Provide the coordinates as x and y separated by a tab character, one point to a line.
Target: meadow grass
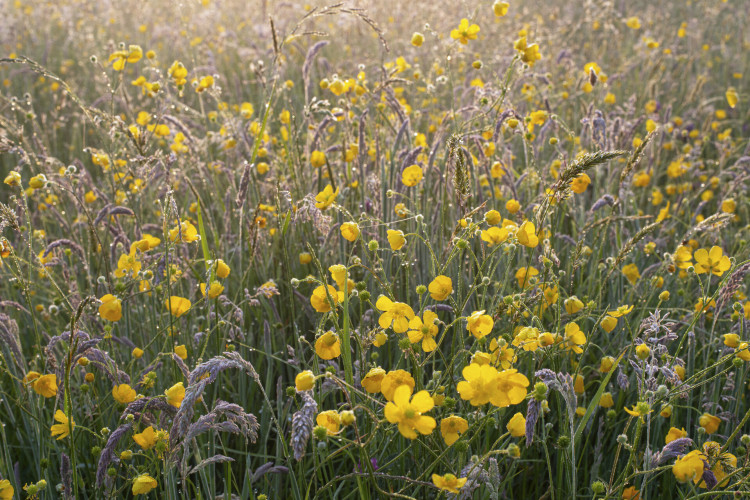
374	249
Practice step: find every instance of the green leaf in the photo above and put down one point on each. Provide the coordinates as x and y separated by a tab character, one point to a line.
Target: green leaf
595	401
204	241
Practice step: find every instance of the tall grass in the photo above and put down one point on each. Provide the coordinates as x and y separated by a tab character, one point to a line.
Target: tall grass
553	195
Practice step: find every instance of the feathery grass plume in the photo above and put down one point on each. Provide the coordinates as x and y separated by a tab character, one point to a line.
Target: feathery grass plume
8	218
461	175
583	163
532	415
147	409
476	475
637	155
628	247
312	52
107	455
181	365
266	468
302	424
562	383
201	376
713	222
10	339
66	476
216	459
65	243
15	305
605	200
732	285
235	421
244	183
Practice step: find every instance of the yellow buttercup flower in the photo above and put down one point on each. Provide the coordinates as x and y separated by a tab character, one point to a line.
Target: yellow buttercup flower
465	32
479	324
110	308
631	273
143	484
373	379
495	235
524	274
688	467
214	290
350	231
147	438
325	198
317	159
480	384
451	427
177	306
709	422
319	298
7	492
424	331
62	429
185	232
529	52
123	394
119	58
175	394
46	385
181	351
500	8
675	433
573	304
396	239
526	235
304	381
732	97
574	337
328	345
633	23
517	425
394	379
409	412
711	261
440	288
510	388
331	420
412	175
396	314
449	482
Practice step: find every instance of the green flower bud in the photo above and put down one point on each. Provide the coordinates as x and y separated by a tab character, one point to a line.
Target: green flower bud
320	432
599	487
461	446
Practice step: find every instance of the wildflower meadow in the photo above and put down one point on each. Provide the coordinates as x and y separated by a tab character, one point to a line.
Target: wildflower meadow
374	249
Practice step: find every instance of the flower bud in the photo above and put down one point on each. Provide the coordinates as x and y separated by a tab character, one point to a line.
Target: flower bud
599	487
348	417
